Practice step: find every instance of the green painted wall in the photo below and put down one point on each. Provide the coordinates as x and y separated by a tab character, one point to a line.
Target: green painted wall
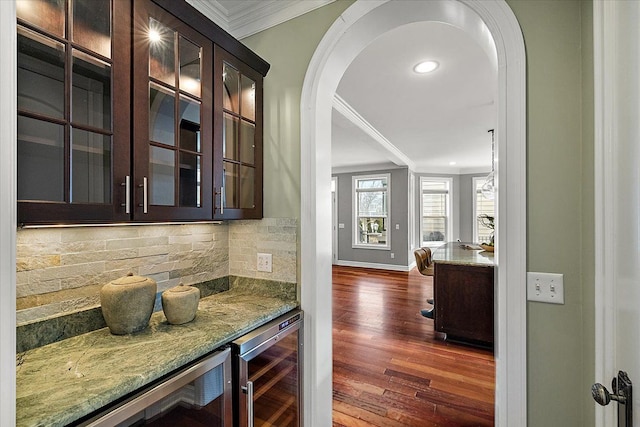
560	175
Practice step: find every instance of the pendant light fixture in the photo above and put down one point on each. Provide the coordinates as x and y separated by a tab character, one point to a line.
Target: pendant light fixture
488	188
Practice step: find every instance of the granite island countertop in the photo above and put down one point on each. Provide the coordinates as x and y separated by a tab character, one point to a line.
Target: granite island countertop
62	382
463	254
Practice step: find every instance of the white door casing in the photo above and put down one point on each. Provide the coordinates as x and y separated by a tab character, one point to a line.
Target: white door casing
487	21
617	197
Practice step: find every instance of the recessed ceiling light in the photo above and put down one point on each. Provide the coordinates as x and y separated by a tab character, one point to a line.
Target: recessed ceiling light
452	163
426	67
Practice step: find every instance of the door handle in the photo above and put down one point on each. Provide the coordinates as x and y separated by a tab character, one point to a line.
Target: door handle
621	387
145	195
127	194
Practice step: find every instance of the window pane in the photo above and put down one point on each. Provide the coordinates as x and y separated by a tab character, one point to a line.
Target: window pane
161	53
372	230
40	160
247	142
91	91
434	229
372	203
434	204
435	185
189	124
189	67
247	187
162	164
248	98
484	206
230	183
90	167
91	25
371	183
231	79
230	137
190	177
161	114
40	74
46	14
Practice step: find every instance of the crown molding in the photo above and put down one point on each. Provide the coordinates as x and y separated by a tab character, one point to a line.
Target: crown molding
250	17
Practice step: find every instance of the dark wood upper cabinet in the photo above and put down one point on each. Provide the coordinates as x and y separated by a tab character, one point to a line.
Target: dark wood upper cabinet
73	110
238	138
172	118
124	114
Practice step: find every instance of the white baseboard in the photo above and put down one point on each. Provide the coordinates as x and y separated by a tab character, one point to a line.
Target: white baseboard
376	266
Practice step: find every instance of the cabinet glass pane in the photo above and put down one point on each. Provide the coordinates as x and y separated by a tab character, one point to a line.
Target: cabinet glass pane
161	53
91	91
230	100
248	98
246	187
247	142
189	124
189	67
190	175
230	137
161	114
46	14
90	167
162	185
41	73
92	25
40	160
230	182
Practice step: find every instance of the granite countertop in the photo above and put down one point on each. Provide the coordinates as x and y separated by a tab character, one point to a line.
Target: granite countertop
64	381
463	254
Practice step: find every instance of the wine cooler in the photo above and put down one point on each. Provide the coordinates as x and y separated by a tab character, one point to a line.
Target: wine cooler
267	368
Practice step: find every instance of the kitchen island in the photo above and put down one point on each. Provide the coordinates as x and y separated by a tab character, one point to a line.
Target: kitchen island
60	383
463	291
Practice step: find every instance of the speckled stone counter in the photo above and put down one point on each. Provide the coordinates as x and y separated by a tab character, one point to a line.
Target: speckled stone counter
64	381
459	253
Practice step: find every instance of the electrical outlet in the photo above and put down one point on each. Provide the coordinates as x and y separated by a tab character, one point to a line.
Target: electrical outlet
393	255
265	262
545	287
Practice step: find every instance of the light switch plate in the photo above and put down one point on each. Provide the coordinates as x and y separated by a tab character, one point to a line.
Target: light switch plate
545	287
265	262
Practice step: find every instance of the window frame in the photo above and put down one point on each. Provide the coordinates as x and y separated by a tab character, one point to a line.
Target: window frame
354	212
448	210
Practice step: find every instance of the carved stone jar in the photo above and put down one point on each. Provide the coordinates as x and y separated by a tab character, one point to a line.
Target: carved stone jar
180	304
127	303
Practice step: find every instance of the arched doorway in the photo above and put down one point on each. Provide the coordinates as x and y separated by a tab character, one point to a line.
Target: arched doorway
495	26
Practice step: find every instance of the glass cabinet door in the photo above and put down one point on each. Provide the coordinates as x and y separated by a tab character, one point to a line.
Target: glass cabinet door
70	142
172	118
238	177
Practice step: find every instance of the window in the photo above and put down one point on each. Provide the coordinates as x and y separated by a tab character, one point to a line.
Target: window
371	211
436	210
481	206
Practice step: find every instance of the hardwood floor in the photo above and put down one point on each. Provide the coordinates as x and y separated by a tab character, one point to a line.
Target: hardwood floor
389	370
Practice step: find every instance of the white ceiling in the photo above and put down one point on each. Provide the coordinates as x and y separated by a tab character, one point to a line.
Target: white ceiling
385	114
435	118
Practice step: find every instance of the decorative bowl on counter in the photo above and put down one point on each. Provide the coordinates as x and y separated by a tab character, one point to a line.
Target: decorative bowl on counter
180	304
127	303
488	248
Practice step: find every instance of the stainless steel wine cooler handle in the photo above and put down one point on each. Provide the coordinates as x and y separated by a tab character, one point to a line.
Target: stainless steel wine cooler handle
249	403
127	194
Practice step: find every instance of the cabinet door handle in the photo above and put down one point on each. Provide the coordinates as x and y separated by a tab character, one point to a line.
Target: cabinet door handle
145	195
127	194
221	200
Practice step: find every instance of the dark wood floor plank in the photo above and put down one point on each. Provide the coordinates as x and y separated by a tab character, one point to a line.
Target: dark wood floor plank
389	370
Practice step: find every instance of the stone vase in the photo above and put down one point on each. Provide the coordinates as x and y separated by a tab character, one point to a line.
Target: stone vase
127	303
180	304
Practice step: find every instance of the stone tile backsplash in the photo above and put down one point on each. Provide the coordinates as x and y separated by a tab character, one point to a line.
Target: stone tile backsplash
61	270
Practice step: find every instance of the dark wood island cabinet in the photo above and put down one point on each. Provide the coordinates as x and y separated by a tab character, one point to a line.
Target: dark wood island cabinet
463	290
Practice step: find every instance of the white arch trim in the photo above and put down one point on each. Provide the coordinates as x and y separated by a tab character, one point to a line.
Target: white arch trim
352	31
